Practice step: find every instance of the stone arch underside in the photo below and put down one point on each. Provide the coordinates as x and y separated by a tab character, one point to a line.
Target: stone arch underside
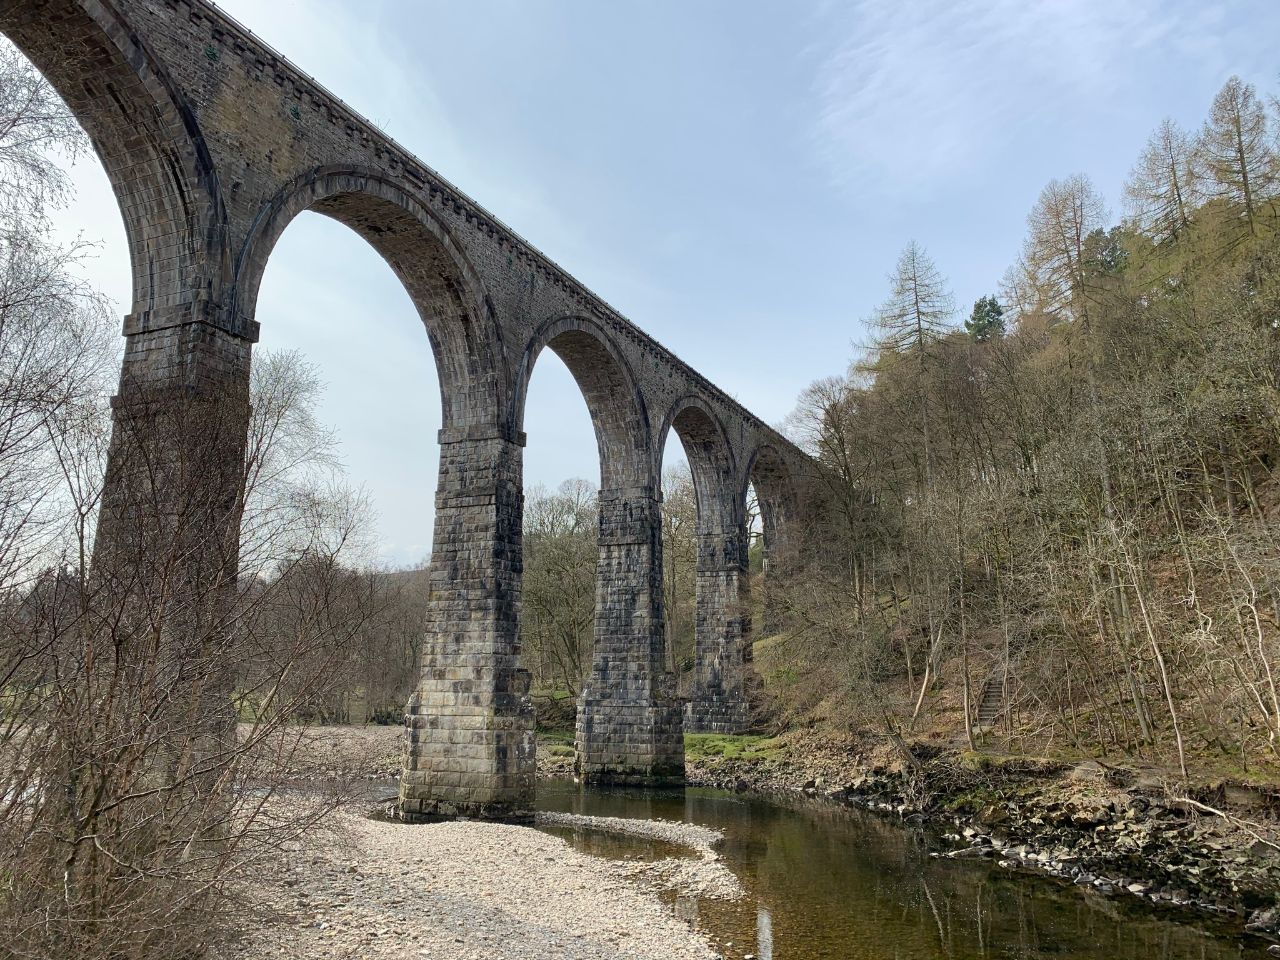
444	289
718	699
617	408
149	145
711	461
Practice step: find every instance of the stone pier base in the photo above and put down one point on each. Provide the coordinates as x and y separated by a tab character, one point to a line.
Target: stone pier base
630	742
477	764
719	713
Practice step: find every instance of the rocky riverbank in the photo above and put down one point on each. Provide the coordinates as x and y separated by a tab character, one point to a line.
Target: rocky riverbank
1119	830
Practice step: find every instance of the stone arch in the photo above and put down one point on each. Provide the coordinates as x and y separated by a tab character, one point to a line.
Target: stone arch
628	725
444	287
711	459
717	701
775	490
609	387
148	141
767	471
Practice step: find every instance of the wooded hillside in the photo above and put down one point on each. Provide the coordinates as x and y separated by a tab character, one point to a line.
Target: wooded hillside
1062	512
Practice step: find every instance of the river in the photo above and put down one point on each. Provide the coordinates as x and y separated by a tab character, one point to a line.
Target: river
827	882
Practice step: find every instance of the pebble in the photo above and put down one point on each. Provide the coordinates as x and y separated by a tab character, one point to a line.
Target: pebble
463	890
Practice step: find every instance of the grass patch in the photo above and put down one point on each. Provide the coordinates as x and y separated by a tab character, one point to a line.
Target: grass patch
551	694
556	743
707	746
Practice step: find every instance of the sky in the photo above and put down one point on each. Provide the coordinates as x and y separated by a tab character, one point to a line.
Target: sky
735	176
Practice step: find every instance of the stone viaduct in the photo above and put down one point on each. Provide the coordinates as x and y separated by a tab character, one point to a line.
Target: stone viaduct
213	143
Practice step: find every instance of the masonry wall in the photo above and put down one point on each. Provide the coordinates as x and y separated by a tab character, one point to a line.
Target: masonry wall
213	143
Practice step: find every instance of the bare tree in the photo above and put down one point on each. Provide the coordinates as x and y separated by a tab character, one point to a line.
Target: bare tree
130	808
1236	151
558	590
34	124
1161	189
913	319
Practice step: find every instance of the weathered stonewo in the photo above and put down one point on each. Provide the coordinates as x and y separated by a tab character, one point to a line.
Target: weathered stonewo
722	640
469	745
629	726
213	143
167	544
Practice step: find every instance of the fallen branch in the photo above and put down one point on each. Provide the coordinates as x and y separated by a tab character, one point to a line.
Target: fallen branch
1248	826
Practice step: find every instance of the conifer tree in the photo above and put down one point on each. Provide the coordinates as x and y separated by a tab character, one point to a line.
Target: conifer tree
1238	157
914	319
987	320
918	310
1161	190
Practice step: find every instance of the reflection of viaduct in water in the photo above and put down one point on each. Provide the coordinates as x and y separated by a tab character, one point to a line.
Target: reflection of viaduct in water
213	143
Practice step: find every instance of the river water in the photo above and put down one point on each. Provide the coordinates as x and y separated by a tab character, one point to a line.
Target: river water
826	882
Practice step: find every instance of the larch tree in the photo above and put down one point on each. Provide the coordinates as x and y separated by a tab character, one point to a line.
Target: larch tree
1059	253
913	319
1055	254
1161	188
1236	152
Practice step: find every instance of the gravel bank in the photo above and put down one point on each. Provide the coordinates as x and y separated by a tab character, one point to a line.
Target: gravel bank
705	876
463	891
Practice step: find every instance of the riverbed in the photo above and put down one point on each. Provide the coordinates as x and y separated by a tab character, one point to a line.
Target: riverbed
827	882
790	880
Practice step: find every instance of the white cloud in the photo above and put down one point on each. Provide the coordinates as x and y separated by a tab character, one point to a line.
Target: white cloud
907	92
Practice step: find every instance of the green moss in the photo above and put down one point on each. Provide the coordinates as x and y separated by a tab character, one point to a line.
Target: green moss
1008	763
971	800
972	760
706	746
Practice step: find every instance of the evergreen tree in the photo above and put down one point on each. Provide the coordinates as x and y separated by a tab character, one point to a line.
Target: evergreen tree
987	320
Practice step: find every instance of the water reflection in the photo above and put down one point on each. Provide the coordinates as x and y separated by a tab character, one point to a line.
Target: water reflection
687	908
764	932
828	883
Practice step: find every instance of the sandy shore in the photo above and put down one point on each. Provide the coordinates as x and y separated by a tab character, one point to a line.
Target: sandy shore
475	891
